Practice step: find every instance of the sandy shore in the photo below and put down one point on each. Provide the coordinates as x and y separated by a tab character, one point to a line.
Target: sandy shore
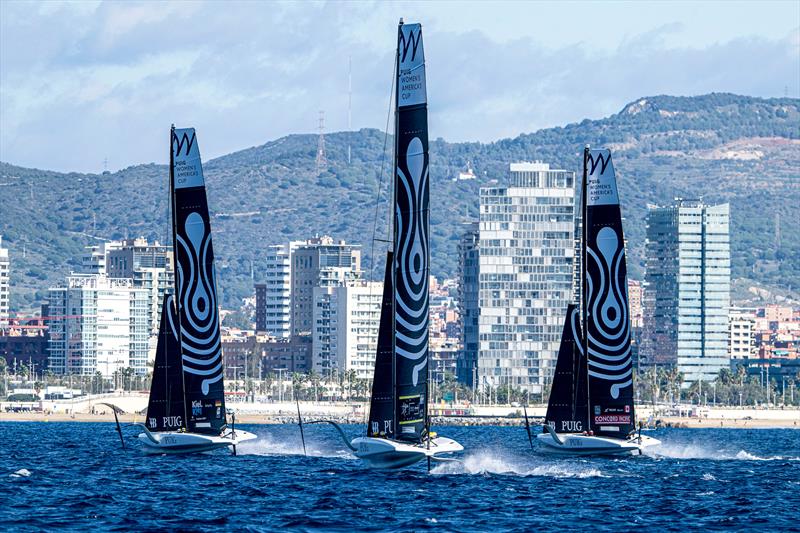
764	421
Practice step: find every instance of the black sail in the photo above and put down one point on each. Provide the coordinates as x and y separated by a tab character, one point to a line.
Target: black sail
196	288
607	324
381	410
411	236
566	409
166	409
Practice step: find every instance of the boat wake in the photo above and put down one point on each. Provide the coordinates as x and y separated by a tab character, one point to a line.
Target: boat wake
269	445
489	462
694	451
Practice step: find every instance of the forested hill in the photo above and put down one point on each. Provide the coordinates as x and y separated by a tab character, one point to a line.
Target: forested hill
723	147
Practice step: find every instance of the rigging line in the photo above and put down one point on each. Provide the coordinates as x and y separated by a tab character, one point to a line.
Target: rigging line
380	176
378	203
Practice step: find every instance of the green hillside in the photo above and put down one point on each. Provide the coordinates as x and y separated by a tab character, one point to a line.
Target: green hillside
722	147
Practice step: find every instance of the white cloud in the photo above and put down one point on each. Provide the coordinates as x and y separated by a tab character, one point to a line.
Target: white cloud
90	81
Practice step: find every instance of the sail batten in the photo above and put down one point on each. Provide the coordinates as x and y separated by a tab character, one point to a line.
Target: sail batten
196	294
606	321
411	253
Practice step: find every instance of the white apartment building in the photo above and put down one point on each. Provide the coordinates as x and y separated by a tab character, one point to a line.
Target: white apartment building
742	341
5	289
525	275
274	296
100	324
345	333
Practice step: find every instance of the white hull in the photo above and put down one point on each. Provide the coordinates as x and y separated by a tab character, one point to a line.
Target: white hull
389	454
177	442
579	444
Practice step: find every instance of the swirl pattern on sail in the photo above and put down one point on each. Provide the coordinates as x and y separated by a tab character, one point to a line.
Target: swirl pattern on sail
411	251
609	338
202	354
196	289
608	334
412	269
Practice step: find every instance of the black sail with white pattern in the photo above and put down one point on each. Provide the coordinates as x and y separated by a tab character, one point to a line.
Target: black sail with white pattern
166	409
381	409
566	408
411	237
196	288
607	324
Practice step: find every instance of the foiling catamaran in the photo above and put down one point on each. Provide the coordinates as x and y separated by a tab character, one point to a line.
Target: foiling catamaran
591	408
186	412
398	431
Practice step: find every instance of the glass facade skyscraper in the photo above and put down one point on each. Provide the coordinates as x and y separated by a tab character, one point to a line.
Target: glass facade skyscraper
468	271
687	288
526	252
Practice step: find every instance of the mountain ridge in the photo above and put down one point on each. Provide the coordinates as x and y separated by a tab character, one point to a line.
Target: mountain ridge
725	147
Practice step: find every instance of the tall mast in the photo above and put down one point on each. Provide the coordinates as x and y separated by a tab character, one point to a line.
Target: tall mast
396	150
584	296
173	209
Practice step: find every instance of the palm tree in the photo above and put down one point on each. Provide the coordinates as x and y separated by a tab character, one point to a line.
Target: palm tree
314	379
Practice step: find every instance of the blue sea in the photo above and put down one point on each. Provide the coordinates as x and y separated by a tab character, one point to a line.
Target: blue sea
75	476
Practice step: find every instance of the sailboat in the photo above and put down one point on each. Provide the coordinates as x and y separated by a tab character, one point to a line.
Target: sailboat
398	431
186	411
591	406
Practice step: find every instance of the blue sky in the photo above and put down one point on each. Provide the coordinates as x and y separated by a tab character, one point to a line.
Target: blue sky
80	82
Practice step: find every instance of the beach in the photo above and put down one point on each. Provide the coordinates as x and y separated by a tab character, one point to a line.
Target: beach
95	409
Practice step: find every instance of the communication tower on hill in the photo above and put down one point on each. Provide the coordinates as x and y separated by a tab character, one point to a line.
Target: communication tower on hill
322	161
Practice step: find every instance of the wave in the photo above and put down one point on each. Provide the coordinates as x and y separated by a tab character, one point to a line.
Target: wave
695	451
22	472
485	462
269	445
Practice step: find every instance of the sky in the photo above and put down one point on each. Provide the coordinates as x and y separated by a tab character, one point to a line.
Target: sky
89	81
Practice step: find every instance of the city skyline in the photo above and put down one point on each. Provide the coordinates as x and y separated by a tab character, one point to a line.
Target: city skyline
88	81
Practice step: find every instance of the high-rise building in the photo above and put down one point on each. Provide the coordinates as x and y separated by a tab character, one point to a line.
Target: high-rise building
468	263
345	332
635	304
149	265
687	288
98	324
273	297
5	289
94	258
526	242
320	262
742	338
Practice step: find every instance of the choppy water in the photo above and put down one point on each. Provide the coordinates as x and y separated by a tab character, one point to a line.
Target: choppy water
74	476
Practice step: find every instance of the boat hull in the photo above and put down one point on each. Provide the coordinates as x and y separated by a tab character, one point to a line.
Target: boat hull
579	444
392	454
174	442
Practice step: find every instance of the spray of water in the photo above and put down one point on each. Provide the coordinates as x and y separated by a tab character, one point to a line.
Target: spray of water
486	462
271	445
696	451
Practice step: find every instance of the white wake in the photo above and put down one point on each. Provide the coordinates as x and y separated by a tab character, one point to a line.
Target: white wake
272	445
485	462
695	451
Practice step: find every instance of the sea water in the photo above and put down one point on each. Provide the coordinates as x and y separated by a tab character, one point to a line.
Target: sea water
75	476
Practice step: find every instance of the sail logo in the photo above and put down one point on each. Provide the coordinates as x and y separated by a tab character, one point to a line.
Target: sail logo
197	408
183	141
599	159
152	422
411	66
172	421
571	425
409	43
